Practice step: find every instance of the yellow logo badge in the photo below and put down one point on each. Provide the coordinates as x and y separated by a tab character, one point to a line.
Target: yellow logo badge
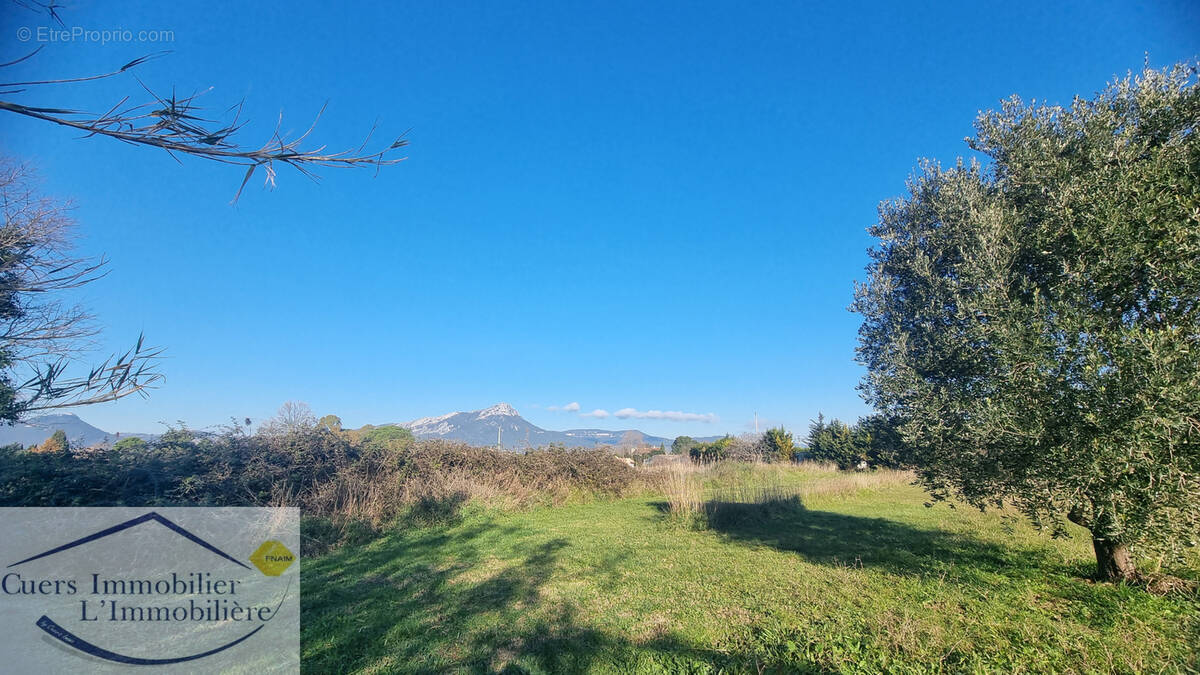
272	558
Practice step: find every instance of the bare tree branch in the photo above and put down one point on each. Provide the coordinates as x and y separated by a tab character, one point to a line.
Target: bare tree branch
87	78
38	333
117	377
173	124
50	8
176	125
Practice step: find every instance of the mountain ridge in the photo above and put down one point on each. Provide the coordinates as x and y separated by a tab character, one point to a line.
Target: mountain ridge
502	425
79	433
500	422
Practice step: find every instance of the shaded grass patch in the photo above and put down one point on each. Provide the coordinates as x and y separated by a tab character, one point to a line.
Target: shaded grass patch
868	581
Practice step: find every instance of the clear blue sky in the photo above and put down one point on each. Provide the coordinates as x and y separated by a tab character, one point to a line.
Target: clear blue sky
621	204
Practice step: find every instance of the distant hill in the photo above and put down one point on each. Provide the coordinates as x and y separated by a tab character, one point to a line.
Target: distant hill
80	434
480	427
476	427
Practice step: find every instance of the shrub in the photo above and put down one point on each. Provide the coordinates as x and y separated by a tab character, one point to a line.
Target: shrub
778	444
706	453
352	485
385	436
56	443
131	444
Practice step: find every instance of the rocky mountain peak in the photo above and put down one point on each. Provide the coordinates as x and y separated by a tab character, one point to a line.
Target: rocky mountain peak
500	409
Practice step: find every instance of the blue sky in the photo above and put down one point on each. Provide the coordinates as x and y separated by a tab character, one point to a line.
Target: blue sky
656	206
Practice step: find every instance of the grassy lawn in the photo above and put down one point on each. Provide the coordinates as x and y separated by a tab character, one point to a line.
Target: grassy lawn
854	575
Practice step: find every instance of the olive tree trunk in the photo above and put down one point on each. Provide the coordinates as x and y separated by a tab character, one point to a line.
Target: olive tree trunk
1113	562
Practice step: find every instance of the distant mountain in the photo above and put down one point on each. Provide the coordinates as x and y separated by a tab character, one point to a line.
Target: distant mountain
476	427
80	434
481	427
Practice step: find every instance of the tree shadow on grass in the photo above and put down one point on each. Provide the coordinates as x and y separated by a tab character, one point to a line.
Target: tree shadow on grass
830	538
958	558
472	597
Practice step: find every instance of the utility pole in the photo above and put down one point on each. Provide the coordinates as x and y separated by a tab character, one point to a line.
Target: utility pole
498	430
756	422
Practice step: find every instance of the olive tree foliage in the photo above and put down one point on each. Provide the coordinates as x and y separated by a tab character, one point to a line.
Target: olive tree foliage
880	440
1032	325
42	337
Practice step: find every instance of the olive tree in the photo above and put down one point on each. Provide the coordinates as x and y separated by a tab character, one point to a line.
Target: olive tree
1031	322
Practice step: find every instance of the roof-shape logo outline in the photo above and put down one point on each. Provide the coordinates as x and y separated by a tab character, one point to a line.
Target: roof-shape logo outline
134	522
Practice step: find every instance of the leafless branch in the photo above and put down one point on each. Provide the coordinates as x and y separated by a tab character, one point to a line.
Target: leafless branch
117	377
49	8
87	78
39	334
177	125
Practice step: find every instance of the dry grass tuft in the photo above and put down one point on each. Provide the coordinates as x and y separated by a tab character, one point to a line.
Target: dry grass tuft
682	486
697	493
430	482
1165	584
380	485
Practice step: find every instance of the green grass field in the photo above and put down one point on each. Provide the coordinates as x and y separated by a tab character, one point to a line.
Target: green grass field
854	574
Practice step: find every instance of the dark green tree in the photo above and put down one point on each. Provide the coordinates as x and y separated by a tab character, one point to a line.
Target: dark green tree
834	441
778	444
711	452
683	444
1034	323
